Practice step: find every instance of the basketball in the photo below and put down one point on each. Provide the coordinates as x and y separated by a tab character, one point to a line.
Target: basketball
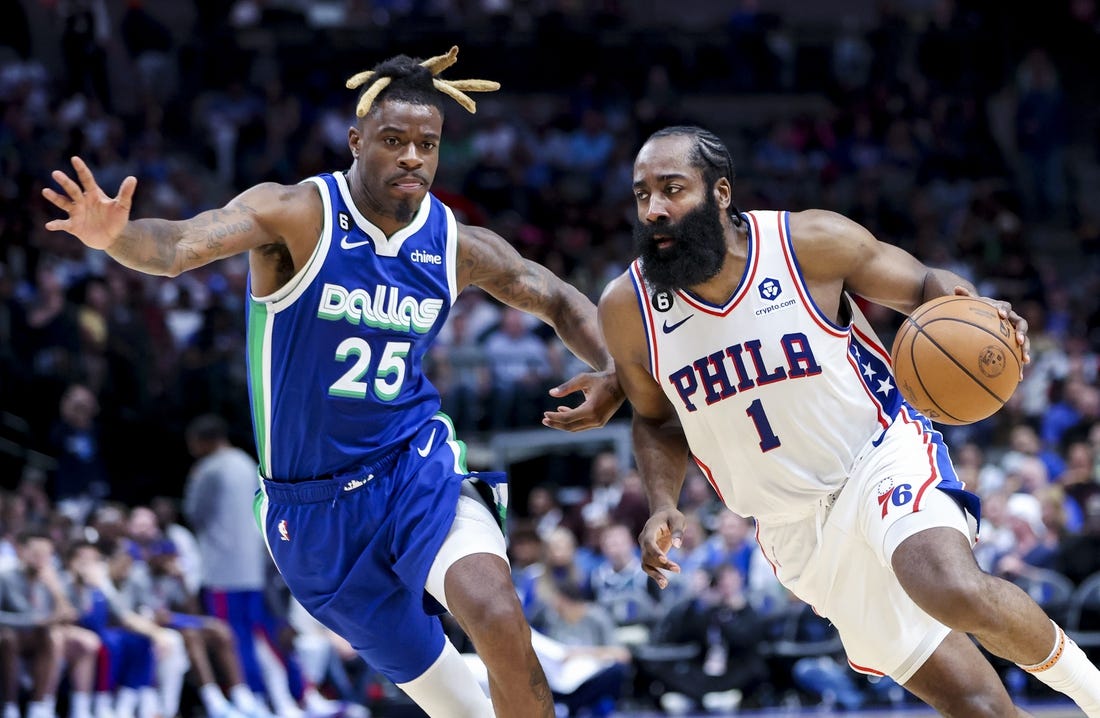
955	360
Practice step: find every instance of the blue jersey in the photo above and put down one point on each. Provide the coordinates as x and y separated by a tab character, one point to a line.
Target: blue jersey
334	356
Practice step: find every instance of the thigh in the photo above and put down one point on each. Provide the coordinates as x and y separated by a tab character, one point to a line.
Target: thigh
957	680
474	531
392	632
883	630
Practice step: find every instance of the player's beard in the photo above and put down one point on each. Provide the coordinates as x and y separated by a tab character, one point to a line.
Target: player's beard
697	251
404	211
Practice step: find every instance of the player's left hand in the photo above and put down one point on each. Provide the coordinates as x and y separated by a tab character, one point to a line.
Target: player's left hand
1005	310
602	398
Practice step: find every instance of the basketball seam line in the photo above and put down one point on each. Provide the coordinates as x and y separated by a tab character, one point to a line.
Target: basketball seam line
920	330
998	337
916	373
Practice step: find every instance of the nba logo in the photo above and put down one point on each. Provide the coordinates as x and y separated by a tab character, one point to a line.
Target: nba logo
283	533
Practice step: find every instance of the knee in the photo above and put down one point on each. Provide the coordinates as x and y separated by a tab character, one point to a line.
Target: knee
498	618
87	642
220	633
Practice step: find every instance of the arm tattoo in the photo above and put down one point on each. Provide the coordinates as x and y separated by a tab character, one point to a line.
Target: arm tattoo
158	246
534	289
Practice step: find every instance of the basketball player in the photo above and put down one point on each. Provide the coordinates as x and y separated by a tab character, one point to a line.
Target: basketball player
367	505
737	340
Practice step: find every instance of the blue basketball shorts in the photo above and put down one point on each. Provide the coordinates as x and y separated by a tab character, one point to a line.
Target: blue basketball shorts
355	549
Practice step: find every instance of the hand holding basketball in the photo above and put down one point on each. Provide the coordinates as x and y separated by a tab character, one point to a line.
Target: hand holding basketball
957	358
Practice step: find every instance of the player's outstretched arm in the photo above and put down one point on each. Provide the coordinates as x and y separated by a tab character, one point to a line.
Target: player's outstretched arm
487	261
660	447
157	246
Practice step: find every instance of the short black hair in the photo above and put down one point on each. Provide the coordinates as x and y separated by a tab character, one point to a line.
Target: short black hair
27	535
208	427
708	154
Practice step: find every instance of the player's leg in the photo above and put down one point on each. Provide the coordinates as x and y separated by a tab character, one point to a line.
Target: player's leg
936	567
959	682
849	580
232	607
911	512
9	668
477	589
81	652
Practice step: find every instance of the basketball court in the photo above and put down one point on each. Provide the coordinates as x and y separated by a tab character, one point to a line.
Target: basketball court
1060	710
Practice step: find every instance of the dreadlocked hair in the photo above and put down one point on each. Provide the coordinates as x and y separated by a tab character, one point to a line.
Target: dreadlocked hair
709	155
413	80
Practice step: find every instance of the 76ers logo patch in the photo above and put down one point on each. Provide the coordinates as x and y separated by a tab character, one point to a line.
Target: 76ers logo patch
890	495
284	532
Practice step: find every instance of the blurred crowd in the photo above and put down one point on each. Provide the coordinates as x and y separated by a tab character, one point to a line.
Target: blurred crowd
965	134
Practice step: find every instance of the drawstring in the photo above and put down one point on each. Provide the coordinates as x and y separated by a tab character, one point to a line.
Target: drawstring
824	508
351	485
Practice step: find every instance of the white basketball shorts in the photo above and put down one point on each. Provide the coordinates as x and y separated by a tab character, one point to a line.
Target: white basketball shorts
839	560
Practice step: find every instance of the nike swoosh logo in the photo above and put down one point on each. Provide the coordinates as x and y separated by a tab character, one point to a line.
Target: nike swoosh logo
669	328
427	447
352	245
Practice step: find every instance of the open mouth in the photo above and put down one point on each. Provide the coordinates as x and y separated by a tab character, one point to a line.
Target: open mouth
663	241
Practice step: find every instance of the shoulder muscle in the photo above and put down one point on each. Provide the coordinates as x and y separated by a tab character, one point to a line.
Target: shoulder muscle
623	330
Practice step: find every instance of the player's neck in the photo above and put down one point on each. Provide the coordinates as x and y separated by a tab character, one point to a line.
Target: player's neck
374	210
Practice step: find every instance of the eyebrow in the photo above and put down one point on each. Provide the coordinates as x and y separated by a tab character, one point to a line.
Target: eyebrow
391	129
663	178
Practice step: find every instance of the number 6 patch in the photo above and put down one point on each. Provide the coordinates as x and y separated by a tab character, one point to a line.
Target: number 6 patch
662	301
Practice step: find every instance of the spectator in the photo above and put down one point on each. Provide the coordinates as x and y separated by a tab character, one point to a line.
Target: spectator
174	606
1078	557
218	504
37	619
521	373
585	629
81	478
618	583
729	633
105	591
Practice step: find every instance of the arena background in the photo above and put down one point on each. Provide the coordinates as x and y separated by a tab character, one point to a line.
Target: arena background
964	131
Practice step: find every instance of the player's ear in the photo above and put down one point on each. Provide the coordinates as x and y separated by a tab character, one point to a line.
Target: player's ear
355	141
723	192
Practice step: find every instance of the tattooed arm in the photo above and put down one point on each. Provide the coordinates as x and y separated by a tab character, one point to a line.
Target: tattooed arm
266	217
487	261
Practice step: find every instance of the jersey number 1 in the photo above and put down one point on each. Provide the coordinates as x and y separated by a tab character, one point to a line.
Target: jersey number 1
768	439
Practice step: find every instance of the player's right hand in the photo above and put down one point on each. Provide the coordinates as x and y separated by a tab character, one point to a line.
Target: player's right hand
94	218
663	531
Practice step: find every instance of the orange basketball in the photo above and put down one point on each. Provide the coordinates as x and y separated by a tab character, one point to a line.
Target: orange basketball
955	360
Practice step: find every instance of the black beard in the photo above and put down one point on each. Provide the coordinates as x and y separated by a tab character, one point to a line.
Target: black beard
404	212
696	254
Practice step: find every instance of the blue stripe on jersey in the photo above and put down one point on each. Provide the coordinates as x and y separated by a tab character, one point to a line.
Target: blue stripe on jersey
949	480
876	376
335	362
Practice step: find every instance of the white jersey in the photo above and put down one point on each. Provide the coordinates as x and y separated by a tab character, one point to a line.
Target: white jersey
775	398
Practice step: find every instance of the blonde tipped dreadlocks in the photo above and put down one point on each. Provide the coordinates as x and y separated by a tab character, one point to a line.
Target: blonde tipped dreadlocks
385	74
